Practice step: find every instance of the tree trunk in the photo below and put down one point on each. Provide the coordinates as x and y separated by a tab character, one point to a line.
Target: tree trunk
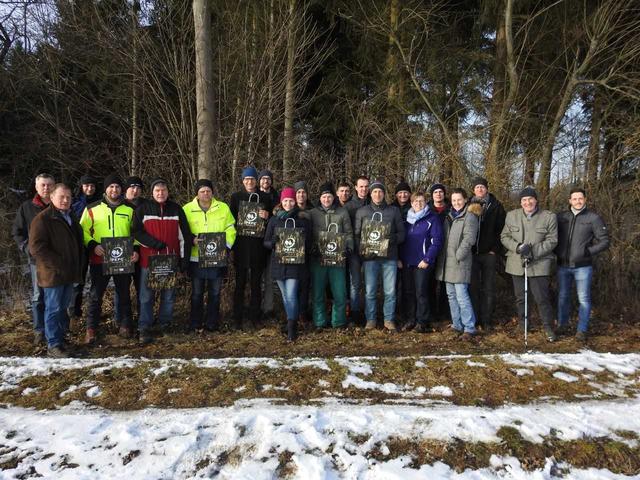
289	100
135	8
270	97
593	156
205	101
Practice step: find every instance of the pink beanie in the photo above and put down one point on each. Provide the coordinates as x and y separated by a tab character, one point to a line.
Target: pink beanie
288	192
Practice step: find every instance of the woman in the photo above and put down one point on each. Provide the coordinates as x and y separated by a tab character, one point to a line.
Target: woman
418	255
288	275
454	262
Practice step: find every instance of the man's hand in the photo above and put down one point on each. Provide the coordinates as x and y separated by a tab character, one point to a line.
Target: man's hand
264	214
135	257
99	251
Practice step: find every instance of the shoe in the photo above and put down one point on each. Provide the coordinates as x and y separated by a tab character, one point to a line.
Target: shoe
319	328
562	330
56	352
236	325
468	337
188	330
38	339
90	336
421	328
370	325
550	334
211	328
581	337
410	325
453	332
391	326
145	337
284	327
292	330
124	332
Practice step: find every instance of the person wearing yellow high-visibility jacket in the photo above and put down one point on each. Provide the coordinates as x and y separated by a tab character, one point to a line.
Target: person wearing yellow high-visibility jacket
205	214
109	217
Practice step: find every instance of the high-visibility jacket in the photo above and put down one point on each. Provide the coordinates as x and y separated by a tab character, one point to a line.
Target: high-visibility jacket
217	218
100	220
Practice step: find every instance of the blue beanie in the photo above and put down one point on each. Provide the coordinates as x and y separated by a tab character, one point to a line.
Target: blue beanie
249	172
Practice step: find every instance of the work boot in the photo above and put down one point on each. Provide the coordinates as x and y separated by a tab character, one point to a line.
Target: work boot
468	337
562	330
410	325
124	332
422	328
292	330
56	352
391	326
549	333
38	339
90	336
370	325
145	337
581	337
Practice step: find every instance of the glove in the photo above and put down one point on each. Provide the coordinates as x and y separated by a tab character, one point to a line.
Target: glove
524	249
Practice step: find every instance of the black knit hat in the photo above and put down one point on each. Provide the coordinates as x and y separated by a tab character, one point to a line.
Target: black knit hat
377	184
403	187
528	192
480	181
437	186
88	179
327	187
204	182
300	185
111	179
158	180
265	173
133	181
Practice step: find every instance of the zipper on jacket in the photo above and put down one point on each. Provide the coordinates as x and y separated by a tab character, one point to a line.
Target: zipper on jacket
567	249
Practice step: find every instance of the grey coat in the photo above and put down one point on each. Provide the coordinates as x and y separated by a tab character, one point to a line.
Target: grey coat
322	218
455	259
391	215
580	238
541	231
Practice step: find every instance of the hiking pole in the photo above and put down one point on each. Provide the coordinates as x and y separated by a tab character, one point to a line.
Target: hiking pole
526	301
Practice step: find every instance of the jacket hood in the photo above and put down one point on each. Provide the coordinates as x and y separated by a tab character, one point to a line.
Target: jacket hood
475	208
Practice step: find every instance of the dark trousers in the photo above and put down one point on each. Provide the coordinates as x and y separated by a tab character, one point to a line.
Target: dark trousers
78	291
253	275
99	284
136	284
304	287
539	287
209	279
438	299
483	287
415	294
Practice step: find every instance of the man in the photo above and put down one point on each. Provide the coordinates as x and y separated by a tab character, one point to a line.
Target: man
344	193
20	233
530	234
386	266
582	235
485	253
403	194
205	214
265	184
134	187
249	254
305	205
360	199
437	290
55	242
302	195
161	227
107	218
322	217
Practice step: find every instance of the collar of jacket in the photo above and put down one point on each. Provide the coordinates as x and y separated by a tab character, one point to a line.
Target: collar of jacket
381	206
37	200
112	206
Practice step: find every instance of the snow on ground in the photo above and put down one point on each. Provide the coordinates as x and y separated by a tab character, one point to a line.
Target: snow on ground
331	440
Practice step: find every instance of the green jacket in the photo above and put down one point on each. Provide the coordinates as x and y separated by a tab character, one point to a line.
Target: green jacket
217	219
541	231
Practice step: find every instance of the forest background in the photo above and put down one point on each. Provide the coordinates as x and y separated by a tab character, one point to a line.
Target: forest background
522	92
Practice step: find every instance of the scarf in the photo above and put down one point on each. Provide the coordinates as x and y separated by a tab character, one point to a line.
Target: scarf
413	216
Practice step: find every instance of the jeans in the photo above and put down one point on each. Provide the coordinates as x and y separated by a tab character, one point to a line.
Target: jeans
539	286
582	276
355	277
289	290
462	314
56	319
389	270
415	294
99	283
37	302
254	275
211	278
483	286
337	280
147	298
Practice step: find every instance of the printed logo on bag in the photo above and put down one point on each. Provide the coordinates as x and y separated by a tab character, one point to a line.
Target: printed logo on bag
289	243
374	235
211	248
251	217
116	253
332	246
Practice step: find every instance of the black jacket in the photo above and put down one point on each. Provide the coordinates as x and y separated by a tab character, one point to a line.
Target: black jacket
491	225
249	252
404	209
22	223
281	271
353	205
391	215
580	238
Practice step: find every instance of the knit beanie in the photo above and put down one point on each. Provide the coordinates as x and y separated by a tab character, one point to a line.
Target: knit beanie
265	173
480	181
111	179
300	185
403	187
377	184
204	182
249	172
88	179
327	187
437	186
288	192
528	192
158	180
134	181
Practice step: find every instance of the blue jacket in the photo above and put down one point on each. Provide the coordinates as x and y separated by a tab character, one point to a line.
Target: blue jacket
423	241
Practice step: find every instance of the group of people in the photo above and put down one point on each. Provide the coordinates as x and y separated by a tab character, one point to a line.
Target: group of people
422	245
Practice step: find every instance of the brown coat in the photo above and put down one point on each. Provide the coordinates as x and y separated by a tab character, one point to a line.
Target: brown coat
57	249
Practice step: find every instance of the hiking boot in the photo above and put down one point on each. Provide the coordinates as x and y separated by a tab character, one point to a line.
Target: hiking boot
90	336
550	334
453	332
562	330
56	352
38	339
421	328
292	330
410	325
145	337
468	337
124	332
581	337
391	326
370	325
319	328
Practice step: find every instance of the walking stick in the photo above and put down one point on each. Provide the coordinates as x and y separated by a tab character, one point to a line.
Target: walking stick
526	301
